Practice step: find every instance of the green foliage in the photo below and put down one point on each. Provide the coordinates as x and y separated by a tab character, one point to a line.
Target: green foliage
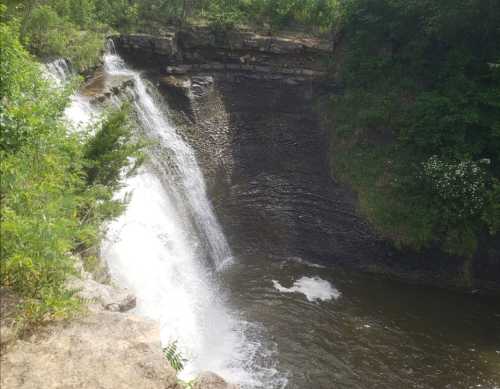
422	93
108	155
174	357
315	15
60	28
224	14
108	151
55	190
122	15
53	26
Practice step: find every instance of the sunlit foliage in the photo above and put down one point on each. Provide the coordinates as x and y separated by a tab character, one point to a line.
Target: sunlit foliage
56	187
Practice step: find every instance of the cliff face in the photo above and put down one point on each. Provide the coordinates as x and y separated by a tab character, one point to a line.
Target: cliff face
248	103
203	49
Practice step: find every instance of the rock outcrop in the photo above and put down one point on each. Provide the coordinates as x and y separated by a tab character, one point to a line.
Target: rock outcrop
208	380
104	296
202	49
104	350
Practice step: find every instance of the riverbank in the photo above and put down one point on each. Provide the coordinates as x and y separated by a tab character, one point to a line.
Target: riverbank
105	346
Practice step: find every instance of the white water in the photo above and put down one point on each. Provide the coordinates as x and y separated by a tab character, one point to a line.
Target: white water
59	72
80	113
154	249
168	246
183	174
314	288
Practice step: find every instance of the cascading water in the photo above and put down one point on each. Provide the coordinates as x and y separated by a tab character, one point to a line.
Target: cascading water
183	168
168	246
80	113
59	71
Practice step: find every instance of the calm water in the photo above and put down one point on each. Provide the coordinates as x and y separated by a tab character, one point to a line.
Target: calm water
376	334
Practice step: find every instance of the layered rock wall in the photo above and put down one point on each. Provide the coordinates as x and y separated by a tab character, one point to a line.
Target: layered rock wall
205	50
248	104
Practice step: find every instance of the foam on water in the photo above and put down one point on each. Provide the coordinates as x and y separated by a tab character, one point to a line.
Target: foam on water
81	114
314	288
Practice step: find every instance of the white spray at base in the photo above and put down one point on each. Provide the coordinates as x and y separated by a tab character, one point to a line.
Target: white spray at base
168	246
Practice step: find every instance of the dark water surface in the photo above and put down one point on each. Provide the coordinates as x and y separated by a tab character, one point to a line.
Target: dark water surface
377	334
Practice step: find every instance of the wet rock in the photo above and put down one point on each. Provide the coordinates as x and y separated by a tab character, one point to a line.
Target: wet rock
178	83
107	89
201	85
106	350
180	69
208	380
100	295
164	45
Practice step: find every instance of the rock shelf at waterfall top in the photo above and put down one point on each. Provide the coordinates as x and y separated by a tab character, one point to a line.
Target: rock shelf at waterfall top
201	49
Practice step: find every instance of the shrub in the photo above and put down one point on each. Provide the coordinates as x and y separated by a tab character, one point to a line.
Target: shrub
56	190
422	93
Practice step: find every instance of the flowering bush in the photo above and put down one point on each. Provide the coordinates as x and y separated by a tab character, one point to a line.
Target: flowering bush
460	186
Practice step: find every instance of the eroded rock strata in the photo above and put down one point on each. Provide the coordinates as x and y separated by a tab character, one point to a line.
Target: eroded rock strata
249	104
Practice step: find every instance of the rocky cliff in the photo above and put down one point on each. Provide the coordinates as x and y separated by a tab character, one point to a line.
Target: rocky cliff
249	104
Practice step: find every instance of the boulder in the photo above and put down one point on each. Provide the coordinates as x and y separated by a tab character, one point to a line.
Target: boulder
101	295
209	380
178	83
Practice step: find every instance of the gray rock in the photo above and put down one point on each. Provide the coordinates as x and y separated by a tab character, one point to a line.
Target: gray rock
7	334
209	380
180	83
180	69
197	48
106	350
105	296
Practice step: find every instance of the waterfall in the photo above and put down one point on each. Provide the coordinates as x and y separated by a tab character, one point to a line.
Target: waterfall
183	168
59	71
80	113
168	247
154	250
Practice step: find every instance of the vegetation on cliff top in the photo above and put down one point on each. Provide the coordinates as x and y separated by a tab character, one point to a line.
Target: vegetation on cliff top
75	29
